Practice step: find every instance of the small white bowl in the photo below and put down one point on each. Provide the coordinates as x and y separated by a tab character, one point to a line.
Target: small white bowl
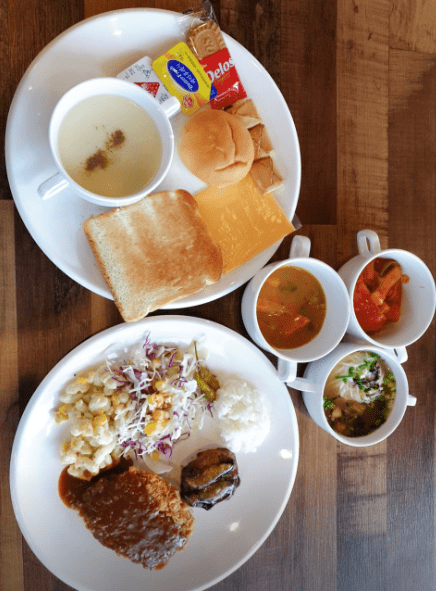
418	299
315	378
337	314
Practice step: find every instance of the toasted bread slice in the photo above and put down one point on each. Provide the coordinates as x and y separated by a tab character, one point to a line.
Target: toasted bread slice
154	252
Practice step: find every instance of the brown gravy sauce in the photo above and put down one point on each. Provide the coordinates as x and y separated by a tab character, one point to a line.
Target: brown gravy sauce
72	489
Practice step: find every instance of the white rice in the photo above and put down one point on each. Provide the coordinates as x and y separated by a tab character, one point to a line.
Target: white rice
244	415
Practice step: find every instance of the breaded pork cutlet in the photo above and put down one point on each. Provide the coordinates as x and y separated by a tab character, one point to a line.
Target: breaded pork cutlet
139	516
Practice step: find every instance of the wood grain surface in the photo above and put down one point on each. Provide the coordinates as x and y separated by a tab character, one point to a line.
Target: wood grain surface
359	78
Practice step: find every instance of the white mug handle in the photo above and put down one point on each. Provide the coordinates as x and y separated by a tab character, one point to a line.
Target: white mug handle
300	247
171	106
368	242
52	186
399	354
287	372
411	400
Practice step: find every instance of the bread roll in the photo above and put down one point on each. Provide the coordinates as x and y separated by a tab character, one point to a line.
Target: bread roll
216	147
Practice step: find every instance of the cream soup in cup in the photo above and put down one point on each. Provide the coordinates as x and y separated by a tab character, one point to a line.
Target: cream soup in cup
111	141
305	282
358	393
370	299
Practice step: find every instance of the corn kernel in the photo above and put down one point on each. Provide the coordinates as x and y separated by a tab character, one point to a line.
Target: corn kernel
150	427
159	385
155	455
99	420
155	399
160	415
124	397
76	444
60	418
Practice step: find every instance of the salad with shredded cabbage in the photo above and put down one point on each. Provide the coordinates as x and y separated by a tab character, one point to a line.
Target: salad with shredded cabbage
163	381
141	405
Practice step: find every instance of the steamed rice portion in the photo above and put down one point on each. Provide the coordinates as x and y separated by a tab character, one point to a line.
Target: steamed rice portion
244	415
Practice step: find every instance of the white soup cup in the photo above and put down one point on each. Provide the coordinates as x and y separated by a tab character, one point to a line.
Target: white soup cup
313	384
337	312
159	113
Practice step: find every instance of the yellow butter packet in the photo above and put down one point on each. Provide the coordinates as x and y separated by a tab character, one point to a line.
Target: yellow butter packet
184	77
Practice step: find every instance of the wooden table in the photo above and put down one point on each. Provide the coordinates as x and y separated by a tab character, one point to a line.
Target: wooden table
360	81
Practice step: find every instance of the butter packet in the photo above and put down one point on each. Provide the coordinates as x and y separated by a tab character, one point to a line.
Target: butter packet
184	77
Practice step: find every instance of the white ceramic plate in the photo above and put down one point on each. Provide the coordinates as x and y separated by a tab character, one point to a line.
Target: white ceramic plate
104	46
224	537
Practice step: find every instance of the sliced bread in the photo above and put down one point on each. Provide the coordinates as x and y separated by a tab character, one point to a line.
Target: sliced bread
154	252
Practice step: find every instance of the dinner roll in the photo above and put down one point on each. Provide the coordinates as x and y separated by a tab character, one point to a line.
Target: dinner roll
216	147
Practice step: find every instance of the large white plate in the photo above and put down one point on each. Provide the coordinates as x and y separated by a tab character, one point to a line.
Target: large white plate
104	46
224	537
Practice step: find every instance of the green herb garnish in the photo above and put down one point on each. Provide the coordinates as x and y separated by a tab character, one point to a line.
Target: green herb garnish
351	374
328	403
287	286
368	364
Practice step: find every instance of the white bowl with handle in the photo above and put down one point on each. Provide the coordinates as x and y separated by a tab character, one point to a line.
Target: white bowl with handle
418	297
313	386
337	309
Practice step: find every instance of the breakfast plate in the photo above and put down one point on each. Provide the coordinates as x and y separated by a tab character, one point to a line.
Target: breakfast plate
106	45
224	537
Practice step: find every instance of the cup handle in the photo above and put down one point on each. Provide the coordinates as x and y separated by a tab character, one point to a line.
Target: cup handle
171	106
52	186
300	247
287	372
368	242
411	400
399	354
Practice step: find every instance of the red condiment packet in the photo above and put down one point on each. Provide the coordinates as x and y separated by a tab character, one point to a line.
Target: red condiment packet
221	69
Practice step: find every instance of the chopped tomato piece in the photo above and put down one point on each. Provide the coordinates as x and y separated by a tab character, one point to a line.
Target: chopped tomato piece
369	272
393	313
367	313
292	323
384	308
395	293
269	306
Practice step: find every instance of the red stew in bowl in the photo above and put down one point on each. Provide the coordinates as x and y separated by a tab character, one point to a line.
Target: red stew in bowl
377	295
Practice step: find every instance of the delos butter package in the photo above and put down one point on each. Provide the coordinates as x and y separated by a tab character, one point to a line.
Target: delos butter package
185	78
142	74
